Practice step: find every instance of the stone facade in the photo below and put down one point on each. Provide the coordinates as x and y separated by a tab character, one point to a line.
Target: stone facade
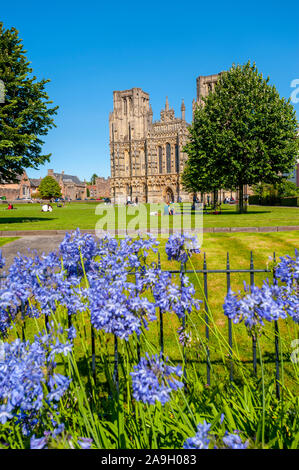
146	157
19	190
71	187
102	187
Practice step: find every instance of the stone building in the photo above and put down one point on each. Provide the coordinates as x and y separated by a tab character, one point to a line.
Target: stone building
21	189
34	184
146	157
102	187
71	187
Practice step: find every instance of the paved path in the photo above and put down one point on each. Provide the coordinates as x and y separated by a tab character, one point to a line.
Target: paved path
46	241
42	244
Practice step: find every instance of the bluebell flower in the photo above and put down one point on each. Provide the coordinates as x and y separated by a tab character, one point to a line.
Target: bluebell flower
234	441
288	269
26	370
180	247
85	442
153	380
202	438
2	260
38	443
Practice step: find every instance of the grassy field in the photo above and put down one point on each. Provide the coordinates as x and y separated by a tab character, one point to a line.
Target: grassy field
5	240
85	215
216	246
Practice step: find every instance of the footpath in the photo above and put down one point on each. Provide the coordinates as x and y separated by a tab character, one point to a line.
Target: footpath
45	241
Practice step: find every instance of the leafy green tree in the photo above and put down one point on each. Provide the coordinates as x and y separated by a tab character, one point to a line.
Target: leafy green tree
283	188
49	188
25	114
244	133
93	179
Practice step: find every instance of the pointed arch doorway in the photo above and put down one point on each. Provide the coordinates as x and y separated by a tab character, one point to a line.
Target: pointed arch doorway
168	195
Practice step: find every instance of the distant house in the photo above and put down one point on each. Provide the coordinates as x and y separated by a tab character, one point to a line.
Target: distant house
102	187
92	190
34	184
21	189
71	187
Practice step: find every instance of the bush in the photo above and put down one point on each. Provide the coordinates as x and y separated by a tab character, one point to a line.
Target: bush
274	201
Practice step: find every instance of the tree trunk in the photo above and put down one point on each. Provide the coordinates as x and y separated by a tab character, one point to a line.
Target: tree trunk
215	198
241	201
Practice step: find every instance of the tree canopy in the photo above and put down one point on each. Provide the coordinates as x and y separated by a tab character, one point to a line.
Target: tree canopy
49	188
93	179
242	133
25	112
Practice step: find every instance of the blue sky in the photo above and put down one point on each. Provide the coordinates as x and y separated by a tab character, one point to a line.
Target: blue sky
88	49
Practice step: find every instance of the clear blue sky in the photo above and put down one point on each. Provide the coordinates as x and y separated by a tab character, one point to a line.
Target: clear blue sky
88	49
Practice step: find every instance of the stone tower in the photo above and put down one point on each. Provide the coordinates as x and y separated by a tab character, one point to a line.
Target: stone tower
146	157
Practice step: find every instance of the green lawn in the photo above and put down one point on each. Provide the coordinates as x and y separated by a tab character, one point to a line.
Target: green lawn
83	215
5	240
239	246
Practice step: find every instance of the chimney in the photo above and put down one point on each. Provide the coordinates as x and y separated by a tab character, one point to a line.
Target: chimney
62	172
50	172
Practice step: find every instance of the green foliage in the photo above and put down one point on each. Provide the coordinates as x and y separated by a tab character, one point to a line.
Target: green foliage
49	188
283	188
93	179
36	195
25	115
274	201
244	133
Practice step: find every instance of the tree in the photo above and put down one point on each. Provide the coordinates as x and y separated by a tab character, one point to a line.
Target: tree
25	114
244	133
49	188
283	188
93	179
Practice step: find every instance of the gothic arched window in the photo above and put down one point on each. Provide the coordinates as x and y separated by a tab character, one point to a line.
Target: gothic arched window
177	159
160	159
168	158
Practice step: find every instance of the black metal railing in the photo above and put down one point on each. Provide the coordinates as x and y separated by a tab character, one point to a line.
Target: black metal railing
207	274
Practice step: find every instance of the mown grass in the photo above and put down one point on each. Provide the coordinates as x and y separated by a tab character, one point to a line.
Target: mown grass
86	215
4	240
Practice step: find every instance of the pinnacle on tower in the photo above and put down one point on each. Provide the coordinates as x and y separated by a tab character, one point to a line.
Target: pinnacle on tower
166	104
183	109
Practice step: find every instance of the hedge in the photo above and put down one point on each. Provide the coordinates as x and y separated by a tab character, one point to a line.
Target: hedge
274	201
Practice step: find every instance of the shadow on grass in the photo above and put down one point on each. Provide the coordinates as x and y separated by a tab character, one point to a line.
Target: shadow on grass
18	220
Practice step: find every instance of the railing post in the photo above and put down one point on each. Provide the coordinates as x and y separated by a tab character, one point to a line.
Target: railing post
276	333
182	270
207	318
253	338
230	339
93	354
115	372
161	315
138	337
23	319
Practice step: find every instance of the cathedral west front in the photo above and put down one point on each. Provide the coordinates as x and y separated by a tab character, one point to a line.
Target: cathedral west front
147	157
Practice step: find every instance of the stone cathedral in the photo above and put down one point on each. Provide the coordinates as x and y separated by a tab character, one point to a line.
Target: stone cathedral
147	157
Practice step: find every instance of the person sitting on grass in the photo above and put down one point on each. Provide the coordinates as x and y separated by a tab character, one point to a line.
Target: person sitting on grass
46	208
